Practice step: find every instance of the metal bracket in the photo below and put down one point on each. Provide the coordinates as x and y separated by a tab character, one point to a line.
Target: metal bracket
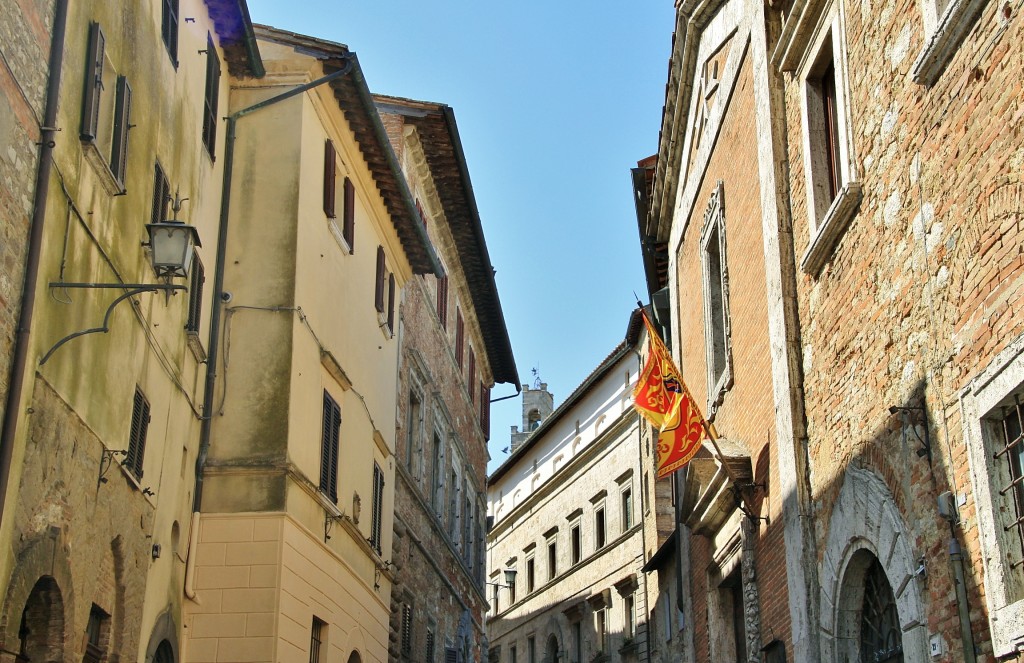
738	489
132	289
106	460
329	520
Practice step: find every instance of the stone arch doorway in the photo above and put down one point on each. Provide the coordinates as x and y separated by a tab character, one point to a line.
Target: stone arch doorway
354	657
551	649
869	619
41	631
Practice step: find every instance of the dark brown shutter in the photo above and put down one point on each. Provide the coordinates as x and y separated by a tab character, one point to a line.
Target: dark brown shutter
406	629
161	194
211	97
442	300
122	116
459	337
485	410
137	434
378	507
391	303
450	655
349	225
169	29
195	295
329	448
378	295
93	83
330	175
471	380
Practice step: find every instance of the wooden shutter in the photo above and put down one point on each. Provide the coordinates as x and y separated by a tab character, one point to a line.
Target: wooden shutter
349	226
442	300
161	195
451	655
430	647
391	303
93	83
211	97
378	507
195	295
329	448
137	434
122	115
485	410
471	380
378	295
330	176
459	337
169	29
406	629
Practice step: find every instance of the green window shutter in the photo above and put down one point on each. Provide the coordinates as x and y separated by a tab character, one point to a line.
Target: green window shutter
93	87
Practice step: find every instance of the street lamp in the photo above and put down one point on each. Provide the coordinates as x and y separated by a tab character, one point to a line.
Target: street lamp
510	585
171	245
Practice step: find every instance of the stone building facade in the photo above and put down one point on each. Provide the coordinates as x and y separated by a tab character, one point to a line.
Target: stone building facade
106	430
567	520
885	141
453	349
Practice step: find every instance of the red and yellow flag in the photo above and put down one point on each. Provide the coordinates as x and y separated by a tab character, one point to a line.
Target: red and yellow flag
663	399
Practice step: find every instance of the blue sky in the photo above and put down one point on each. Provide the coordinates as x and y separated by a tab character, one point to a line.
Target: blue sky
555	101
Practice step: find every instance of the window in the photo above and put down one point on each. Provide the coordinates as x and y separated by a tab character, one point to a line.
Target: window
601	628
391	303
512	590
385	283
552	558
511	654
577	547
1010	452
348	228
833	192
378	293
494	655
406	629
435	474
169	28
460	338
881	633
414	426
716	301
330	195
195	295
105	117
627	508
316	639
161	195
471	380
530	576
96	635
775	652
485	411
531	650
137	435
453	509
442	300
329	448
378	508
577	640
429	648
599	529
330	178
211	96
629	607
947	23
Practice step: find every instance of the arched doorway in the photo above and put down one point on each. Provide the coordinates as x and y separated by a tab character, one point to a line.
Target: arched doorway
41	632
164	653
551	650
354	657
869	618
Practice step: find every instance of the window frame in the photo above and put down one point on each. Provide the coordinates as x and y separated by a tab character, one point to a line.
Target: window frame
828	216
717	317
317	639
105	122
944	30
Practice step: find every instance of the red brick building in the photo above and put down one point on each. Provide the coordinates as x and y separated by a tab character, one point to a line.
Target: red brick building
834	211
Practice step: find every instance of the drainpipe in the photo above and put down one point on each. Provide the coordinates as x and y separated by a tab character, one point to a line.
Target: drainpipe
956	561
218	297
47	135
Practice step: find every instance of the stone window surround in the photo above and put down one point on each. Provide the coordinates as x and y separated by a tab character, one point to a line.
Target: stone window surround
826	223
988	391
714	220
944	33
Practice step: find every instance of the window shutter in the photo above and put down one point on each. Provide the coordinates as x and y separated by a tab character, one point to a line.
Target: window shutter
211	97
471	380
330	174
391	303
442	300
485	411
137	434
169	29
378	507
459	337
195	295
329	448
451	655
93	83
406	629
161	194
378	295
430	647
349	225
122	115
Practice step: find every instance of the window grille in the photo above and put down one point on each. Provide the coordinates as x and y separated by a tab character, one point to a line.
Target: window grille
1012	454
881	639
316	639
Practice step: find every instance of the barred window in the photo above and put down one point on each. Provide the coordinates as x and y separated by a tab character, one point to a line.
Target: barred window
1012	456
881	638
316	640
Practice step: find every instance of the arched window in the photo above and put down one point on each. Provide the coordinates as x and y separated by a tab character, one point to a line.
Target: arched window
164	653
881	639
533	419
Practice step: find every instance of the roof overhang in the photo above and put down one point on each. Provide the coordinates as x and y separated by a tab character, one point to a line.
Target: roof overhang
237	37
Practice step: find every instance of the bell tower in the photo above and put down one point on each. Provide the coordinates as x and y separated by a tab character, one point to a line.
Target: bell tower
538	404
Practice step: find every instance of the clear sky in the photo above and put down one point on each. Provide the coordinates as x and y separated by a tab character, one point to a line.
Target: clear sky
555	101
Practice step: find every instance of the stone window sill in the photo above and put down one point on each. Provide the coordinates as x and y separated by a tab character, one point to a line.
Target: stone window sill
831	228
102	168
938	50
